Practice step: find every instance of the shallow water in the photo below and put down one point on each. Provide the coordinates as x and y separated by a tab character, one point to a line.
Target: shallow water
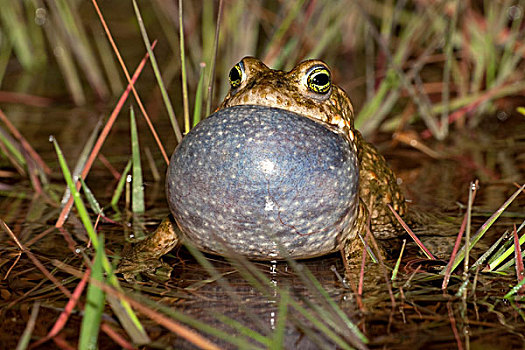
420	315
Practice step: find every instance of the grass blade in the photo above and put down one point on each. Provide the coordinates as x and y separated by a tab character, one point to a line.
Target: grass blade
95	300
500	258
91	198
5	53
101	139
67	21
448	269
485	227
275	43
120	185
306	274
278	335
398	262
321	326
412	235
66	64
518	257
515	289
489	252
108	63
81	160
11	151
137	200
23	342
197	110
244	330
185	100
153	167
12	20
158	75
131	81
211	78
128	318
23	141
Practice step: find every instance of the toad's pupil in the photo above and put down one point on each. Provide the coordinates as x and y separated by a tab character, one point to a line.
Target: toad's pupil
234	74
321	79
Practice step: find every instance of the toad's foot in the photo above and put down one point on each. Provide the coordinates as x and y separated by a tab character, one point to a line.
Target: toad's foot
144	256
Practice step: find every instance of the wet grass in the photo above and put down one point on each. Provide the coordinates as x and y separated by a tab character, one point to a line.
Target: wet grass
446	77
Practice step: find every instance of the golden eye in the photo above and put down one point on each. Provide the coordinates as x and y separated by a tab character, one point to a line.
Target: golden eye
236	75
318	80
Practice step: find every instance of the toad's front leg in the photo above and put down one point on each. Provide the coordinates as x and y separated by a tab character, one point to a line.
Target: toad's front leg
144	256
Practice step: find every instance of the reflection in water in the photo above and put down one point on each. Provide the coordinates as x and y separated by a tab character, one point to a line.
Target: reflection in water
273	281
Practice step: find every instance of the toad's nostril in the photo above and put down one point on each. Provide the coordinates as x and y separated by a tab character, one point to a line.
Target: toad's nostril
278	84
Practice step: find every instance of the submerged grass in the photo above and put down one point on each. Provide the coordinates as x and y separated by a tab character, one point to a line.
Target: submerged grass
424	69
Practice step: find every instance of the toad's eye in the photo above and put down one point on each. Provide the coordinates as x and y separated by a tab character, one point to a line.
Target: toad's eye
318	80
237	75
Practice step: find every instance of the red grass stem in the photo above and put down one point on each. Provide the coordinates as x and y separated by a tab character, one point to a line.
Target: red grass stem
106	328
454	326
454	252
109	166
35	261
61	343
24	143
412	234
64	316
132	84
25	99
101	139
362	272
519	259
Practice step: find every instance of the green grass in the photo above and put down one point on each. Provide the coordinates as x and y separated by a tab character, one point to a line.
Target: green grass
137	201
120	186
158	76
122	309
398	52
95	301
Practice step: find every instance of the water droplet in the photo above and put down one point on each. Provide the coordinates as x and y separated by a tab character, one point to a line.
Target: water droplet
502	115
272	320
273	267
51	138
40	16
515	12
58	51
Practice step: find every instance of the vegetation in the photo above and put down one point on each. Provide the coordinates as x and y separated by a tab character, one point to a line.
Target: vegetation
433	74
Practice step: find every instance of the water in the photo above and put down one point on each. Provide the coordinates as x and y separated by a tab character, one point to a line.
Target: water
414	314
